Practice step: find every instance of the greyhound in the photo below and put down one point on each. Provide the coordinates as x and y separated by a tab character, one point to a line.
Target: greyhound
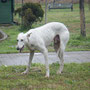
39	38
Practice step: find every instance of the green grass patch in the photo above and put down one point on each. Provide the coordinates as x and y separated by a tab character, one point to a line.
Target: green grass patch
70	19
74	77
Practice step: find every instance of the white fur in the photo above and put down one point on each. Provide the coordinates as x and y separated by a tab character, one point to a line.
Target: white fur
39	38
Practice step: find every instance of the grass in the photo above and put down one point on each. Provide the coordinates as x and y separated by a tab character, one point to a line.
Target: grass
70	19
74	77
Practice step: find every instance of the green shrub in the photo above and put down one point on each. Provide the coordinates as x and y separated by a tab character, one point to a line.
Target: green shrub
29	17
30	12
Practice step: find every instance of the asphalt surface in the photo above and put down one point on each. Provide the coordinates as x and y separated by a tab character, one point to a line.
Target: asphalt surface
22	58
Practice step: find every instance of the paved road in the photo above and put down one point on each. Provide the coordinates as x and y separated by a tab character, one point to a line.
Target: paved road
22	58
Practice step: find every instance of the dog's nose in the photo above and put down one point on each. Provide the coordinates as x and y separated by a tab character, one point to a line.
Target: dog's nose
17	48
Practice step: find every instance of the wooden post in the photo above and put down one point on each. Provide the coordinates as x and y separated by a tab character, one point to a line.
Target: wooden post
89	4
82	18
45	11
53	1
22	13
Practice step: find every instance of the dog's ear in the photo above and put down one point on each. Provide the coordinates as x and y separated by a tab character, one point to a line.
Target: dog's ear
28	35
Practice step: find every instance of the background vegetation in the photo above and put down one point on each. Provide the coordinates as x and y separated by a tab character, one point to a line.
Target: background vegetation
30	13
70	19
74	76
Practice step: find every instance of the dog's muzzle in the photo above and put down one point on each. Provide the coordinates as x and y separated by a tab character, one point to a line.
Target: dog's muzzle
20	49
17	48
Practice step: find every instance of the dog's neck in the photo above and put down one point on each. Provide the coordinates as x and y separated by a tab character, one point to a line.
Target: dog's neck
27	42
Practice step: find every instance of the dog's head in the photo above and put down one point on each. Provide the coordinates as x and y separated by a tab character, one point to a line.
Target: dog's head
21	39
20	42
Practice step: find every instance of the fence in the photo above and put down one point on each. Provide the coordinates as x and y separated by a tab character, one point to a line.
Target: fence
43	1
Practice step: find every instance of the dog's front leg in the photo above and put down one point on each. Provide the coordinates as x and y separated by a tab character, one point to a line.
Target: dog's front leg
29	63
45	53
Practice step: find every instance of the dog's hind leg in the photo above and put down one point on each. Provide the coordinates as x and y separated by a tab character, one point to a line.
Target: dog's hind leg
56	43
60	55
29	63
59	48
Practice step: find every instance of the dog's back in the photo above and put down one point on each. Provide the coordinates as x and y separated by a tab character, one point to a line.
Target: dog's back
49	31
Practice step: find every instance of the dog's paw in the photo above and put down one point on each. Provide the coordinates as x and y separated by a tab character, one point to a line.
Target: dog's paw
59	72
46	76
25	72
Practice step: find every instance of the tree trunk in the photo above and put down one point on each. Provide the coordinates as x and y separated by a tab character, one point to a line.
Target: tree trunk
22	21
45	11
53	1
82	18
89	4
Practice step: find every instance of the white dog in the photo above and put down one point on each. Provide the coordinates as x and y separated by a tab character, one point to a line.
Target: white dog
39	38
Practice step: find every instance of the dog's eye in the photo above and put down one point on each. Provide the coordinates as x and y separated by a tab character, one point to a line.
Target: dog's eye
21	39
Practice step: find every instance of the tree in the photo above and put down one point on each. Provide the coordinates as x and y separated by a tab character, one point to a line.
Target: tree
54	1
89	4
45	11
82	18
30	12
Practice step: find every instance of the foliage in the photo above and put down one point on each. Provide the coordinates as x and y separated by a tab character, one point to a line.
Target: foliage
70	19
28	18
30	12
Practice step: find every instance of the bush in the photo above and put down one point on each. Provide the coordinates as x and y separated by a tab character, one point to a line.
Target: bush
30	12
28	18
